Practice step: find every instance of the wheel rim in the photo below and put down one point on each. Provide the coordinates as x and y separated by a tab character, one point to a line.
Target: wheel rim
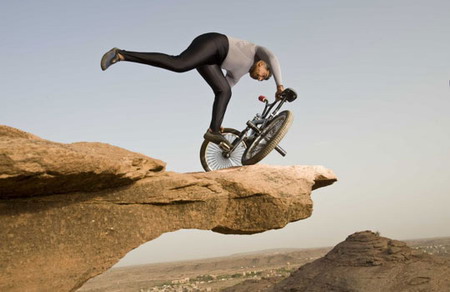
265	137
215	158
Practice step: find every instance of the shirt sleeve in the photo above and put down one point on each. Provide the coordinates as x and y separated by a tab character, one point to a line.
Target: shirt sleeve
268	57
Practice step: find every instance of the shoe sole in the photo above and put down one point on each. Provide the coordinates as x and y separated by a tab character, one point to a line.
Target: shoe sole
218	141
104	62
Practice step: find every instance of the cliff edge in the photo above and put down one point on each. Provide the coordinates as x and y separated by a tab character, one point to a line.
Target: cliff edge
71	211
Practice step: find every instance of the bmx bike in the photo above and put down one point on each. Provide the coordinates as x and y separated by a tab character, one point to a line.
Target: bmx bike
256	141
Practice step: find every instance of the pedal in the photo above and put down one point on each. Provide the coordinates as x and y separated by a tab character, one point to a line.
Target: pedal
253	127
224	146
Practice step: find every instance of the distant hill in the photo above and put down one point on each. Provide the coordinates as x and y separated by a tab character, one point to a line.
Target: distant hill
366	261
254	271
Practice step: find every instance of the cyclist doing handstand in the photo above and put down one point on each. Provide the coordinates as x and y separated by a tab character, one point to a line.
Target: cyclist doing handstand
209	53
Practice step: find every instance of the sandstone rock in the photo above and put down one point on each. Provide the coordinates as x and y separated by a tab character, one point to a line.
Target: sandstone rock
57	233
366	261
31	166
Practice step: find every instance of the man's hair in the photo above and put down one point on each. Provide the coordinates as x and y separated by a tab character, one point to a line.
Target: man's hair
267	67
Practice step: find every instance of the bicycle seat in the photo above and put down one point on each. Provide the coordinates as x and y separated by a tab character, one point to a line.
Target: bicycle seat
289	94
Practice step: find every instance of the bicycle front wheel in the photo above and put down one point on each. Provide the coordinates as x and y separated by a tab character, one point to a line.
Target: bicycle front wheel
270	136
213	157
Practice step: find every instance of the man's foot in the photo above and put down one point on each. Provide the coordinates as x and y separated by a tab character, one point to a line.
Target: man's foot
216	137
109	58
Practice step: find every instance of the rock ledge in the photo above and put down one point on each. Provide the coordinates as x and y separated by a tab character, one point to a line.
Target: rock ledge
71	211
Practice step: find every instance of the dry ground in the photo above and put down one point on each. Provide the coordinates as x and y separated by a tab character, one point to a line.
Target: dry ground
258	270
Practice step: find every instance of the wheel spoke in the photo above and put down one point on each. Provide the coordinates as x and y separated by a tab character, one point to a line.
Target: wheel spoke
214	154
235	161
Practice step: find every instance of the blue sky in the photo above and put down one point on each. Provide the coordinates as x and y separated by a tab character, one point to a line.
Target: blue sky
372	76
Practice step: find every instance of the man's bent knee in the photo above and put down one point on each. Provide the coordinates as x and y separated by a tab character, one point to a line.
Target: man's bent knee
224	92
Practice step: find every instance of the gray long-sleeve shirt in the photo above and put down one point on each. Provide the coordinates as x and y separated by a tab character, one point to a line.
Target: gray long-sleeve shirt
242	55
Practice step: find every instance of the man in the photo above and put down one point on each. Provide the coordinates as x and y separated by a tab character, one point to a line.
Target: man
210	53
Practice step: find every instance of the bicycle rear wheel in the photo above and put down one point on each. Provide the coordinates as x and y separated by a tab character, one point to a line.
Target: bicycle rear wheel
270	136
213	157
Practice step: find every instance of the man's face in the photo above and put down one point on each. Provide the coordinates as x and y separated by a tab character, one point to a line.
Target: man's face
260	72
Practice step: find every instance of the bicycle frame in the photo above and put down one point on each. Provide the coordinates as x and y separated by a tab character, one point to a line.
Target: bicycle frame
259	122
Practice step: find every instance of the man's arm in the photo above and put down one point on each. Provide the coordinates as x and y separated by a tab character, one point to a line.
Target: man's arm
280	89
267	56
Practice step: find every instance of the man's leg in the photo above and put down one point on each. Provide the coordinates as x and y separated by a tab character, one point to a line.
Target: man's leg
214	77
203	50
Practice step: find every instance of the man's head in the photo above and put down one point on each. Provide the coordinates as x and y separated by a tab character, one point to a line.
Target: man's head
260	71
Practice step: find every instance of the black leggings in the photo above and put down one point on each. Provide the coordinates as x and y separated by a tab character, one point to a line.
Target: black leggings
206	53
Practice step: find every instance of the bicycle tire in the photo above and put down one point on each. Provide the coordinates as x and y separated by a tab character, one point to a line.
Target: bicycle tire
278	128
211	156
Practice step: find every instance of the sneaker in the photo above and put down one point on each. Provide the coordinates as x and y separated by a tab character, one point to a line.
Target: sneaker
216	138
109	58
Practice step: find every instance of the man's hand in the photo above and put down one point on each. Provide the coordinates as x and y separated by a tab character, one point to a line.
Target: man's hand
280	89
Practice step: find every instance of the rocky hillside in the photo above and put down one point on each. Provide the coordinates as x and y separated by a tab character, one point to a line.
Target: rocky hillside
68	212
366	261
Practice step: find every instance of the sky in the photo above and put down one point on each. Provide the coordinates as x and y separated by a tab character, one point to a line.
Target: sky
373	106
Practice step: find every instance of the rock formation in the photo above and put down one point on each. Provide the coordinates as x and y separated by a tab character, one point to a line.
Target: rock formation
366	261
31	166
68	212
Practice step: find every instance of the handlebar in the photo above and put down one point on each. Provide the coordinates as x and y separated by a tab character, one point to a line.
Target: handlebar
287	95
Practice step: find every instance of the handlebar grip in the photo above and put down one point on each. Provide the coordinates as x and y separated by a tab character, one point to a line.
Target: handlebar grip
262	98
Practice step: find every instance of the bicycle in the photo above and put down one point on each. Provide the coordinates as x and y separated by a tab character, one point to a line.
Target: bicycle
256	141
